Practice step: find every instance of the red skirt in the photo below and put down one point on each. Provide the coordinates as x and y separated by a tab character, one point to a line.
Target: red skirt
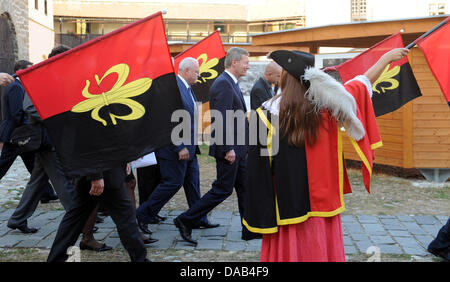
318	239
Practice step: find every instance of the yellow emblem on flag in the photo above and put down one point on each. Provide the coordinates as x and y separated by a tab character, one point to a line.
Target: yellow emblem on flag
387	77
118	94
206	67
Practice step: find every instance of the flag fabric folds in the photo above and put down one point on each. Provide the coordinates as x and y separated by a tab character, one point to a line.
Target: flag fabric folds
211	55
110	100
395	87
436	48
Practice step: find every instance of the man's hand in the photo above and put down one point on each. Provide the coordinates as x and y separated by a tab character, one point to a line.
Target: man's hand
5	79
128	169
230	156
97	187
183	155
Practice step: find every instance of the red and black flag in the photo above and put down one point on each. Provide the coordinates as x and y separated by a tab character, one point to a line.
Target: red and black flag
436	48
109	100
396	85
211	56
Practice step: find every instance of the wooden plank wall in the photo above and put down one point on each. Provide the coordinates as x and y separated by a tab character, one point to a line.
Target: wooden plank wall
431	114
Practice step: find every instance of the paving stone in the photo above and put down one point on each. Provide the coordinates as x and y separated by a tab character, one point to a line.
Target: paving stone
354	228
399	233
363	245
213	232
234	236
9	241
424	240
367	219
347	240
390	249
351	250
374	229
221	214
348	218
378	240
234	246
431	229
414	228
405	218
425	219
360	237
183	245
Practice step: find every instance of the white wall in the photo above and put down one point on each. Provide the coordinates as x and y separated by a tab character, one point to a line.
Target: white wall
41	31
326	12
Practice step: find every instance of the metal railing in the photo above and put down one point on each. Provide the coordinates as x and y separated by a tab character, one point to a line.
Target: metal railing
72	40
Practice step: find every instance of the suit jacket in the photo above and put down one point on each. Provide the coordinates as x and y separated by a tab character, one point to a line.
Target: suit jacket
170	152
225	95
260	93
12	112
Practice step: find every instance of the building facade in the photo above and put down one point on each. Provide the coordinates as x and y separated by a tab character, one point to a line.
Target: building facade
78	21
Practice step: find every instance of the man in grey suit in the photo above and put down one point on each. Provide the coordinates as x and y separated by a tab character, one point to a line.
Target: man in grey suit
262	90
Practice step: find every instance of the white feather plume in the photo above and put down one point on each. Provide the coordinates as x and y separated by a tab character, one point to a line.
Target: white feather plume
326	93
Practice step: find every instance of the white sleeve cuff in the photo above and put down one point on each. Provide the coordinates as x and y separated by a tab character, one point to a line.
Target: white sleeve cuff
364	80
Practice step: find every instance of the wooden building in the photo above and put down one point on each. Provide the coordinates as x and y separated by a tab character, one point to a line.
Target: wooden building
418	134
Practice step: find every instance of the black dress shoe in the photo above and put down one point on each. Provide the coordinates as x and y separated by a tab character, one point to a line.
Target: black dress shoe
47	198
206	225
161	218
149	240
185	231
144	227
24	228
103	248
445	253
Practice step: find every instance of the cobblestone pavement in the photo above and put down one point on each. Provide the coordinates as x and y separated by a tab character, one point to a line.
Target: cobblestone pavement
393	234
400	234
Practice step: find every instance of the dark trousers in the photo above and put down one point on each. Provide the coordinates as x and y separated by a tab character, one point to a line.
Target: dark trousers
174	174
442	240
46	165
117	203
228	176
9	155
147	179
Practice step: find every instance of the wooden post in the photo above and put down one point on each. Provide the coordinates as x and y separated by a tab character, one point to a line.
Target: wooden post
408	135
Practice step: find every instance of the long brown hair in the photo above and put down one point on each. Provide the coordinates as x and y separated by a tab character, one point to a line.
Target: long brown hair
299	122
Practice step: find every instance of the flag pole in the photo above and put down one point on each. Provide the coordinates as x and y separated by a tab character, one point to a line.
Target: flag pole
412	44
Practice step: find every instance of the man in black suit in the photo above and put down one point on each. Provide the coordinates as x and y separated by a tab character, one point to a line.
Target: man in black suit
262	90
13	117
229	143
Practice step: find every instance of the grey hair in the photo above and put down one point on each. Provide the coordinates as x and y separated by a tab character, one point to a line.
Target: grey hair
234	54
187	62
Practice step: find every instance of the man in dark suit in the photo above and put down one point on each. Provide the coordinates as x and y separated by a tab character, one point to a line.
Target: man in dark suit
229	142
178	163
262	89
107	188
13	117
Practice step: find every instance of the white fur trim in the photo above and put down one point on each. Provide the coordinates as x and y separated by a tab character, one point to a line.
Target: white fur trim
326	93
364	80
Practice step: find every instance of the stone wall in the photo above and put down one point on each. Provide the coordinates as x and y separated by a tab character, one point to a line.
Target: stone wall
18	13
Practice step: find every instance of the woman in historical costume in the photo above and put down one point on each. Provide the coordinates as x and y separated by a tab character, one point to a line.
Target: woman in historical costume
297	177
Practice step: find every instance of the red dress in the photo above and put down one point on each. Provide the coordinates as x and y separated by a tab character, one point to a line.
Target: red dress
318	239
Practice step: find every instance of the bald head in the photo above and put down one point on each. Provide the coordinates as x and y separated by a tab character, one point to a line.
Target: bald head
273	72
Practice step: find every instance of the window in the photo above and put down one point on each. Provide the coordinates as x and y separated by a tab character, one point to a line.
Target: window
359	10
435	9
